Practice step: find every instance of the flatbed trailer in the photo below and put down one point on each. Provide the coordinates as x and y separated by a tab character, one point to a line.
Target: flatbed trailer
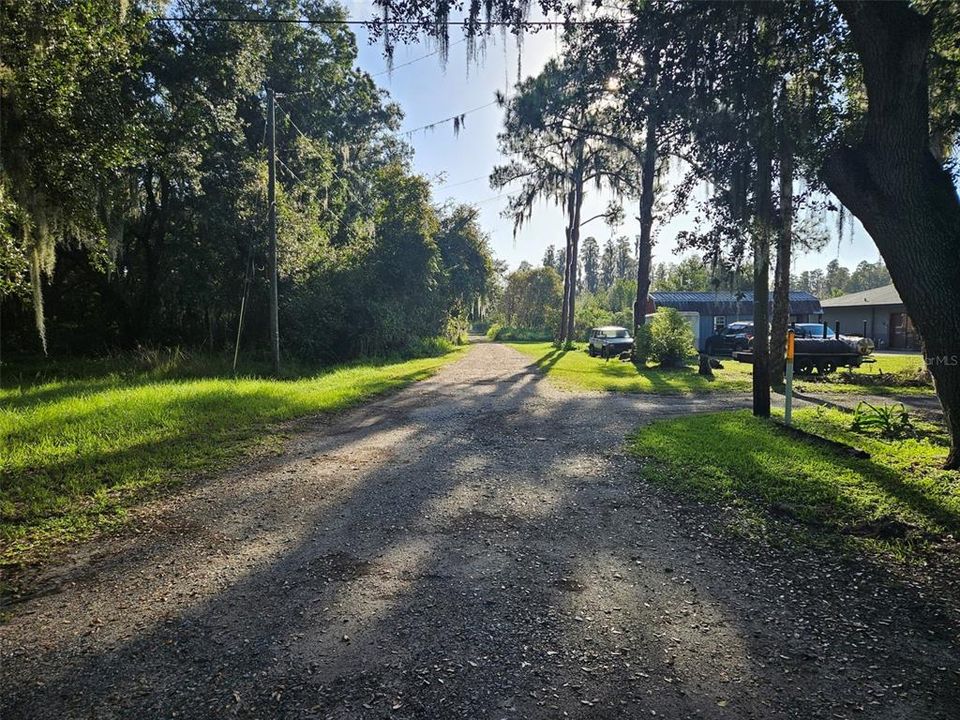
816	355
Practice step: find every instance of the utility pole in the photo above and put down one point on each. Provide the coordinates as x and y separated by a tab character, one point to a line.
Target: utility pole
272	259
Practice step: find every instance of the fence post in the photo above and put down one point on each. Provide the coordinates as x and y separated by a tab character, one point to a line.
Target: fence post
788	397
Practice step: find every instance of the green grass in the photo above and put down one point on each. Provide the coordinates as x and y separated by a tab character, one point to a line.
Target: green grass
897	499
576	369
78	447
886	376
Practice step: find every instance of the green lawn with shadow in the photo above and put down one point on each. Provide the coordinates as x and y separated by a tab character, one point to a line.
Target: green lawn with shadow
576	369
888	374
898	498
76	451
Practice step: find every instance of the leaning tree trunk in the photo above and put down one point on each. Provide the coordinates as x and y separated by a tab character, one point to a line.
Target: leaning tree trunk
781	280
901	193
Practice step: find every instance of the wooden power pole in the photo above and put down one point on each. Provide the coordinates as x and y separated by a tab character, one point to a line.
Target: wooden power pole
272	259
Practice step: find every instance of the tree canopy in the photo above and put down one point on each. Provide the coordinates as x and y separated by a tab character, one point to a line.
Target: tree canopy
134	159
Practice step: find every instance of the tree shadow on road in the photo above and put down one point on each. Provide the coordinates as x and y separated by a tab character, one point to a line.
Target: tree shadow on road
488	569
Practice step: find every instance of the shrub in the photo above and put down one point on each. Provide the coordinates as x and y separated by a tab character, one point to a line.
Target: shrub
519	334
642	344
493	332
671	339
429	347
457	329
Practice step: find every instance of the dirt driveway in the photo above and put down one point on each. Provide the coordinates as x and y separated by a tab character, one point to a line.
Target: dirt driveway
475	546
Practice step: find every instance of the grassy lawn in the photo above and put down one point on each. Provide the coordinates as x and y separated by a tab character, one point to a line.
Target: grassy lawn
576	369
897	499
76	451
891	374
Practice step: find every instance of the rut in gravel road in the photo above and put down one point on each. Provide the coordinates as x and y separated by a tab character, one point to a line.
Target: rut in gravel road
474	546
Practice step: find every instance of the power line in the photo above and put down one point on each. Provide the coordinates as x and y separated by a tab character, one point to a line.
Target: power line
379	21
489	199
416	60
463	182
290	120
447	119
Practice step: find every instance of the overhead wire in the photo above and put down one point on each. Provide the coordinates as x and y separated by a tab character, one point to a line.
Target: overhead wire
379	21
415	60
429	126
463	182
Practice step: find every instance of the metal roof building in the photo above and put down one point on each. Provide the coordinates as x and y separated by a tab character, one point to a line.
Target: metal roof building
878	313
717	309
726	302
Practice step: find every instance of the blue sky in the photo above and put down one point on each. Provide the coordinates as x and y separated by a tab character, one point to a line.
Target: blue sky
429	91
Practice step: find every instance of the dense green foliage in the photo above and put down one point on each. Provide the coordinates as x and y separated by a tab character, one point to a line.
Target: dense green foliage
671	338
531	300
134	159
896	496
88	439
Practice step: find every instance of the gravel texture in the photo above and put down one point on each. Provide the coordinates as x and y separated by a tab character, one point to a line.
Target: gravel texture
477	545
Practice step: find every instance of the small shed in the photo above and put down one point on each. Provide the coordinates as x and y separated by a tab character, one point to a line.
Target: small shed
878	313
719	308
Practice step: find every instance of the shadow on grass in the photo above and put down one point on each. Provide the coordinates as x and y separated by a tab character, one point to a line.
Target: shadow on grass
335	600
764	465
547	362
108	453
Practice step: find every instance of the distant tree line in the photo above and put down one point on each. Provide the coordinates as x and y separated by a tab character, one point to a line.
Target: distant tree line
837	280
692	273
133	186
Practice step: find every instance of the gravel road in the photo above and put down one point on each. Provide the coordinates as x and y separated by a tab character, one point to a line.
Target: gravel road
474	546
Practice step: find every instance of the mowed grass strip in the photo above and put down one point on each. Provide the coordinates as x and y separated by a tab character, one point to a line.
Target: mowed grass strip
576	369
889	374
898	497
75	453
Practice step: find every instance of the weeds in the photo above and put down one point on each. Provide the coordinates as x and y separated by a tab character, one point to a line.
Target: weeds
889	421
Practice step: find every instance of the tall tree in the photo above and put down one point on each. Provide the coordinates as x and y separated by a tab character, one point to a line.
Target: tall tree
550	256
548	127
887	175
64	89
591	265
608	264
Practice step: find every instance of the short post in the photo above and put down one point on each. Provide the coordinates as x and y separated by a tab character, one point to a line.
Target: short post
788	392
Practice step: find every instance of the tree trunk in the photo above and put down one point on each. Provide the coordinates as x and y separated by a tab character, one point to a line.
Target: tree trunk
645	243
648	173
573	253
761	273
781	281
562	335
901	193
